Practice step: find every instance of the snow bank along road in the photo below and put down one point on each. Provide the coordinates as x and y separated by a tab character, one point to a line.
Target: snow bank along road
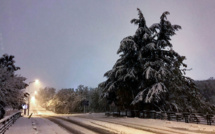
98	123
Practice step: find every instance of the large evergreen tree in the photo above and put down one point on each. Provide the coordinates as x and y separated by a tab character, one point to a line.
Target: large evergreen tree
149	74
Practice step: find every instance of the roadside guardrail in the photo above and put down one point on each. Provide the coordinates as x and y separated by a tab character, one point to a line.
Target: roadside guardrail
6	122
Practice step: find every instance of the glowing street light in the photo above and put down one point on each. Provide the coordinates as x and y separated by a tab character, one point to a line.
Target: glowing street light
32	98
37	81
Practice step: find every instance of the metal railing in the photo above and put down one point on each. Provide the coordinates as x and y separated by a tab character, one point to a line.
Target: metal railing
5	123
198	118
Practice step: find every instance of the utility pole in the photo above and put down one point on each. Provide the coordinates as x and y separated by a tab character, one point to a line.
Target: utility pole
29	97
28	104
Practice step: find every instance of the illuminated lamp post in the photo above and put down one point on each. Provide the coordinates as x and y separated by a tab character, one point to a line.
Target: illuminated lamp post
36	81
29	97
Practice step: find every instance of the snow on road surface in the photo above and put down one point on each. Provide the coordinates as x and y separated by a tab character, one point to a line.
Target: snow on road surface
112	127
22	125
35	125
141	126
44	122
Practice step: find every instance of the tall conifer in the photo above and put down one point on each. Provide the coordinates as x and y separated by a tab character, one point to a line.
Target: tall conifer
149	74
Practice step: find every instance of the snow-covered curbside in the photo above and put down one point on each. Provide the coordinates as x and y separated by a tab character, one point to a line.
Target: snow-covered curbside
6	122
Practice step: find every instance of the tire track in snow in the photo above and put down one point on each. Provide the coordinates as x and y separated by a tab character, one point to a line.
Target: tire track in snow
89	127
136	126
64	126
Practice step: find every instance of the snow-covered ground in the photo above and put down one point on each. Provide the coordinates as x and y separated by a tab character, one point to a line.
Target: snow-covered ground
137	126
49	123
35	125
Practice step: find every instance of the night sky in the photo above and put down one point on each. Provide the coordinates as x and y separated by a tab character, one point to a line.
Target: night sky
65	43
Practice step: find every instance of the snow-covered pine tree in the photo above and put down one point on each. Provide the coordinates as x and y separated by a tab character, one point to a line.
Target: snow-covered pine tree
10	83
149	74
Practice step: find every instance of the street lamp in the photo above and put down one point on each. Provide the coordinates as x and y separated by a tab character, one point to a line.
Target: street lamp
33	99
36	81
29	97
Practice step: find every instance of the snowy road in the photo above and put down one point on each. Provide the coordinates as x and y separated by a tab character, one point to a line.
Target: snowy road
79	124
78	127
140	126
99	123
45	122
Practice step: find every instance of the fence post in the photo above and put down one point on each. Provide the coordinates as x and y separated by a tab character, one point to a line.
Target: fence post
209	119
186	116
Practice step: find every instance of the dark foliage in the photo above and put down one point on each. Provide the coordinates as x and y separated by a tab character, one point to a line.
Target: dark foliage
149	74
7	61
10	83
207	89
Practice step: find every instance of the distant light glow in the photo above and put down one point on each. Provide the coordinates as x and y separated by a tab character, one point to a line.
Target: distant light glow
35	92
37	81
33	99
